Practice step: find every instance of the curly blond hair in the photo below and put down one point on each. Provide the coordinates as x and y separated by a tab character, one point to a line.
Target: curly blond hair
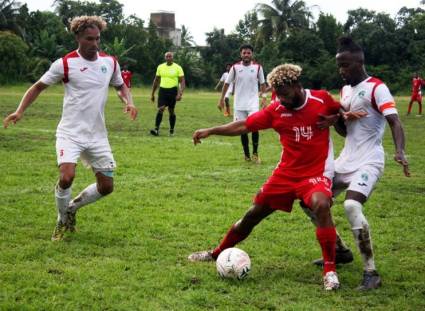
284	74
81	23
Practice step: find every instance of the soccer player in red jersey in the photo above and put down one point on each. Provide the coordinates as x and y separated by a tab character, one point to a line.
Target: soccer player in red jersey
126	76
417	83
305	170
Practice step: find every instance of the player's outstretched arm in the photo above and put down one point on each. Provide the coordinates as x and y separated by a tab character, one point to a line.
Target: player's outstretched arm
229	129
29	97
399	142
125	95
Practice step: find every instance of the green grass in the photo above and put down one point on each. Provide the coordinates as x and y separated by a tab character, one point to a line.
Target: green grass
172	198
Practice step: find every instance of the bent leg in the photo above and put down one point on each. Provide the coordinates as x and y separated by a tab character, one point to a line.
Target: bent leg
93	192
243	227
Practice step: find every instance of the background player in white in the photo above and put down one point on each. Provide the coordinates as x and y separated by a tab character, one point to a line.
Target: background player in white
367	105
246	76
229	92
86	74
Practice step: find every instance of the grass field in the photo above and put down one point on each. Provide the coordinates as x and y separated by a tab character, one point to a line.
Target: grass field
172	198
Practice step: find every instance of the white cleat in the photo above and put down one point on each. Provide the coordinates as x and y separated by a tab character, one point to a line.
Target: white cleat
201	256
330	281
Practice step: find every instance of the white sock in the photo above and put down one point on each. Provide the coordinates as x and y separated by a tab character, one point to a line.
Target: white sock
62	197
87	196
361	232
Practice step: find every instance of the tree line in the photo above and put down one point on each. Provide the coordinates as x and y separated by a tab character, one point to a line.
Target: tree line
282	31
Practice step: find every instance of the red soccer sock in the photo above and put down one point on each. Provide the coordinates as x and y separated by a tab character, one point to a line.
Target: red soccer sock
327	239
230	239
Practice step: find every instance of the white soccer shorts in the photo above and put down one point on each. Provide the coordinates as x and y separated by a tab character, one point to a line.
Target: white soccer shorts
363	180
97	155
243	114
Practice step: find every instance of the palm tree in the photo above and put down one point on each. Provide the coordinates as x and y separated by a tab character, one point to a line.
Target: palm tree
9	11
118	49
186	37
282	16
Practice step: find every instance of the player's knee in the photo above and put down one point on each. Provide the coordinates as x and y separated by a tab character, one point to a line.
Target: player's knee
105	188
354	212
66	179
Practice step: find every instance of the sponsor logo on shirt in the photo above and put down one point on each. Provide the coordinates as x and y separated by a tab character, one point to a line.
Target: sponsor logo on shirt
103	68
83	69
283	115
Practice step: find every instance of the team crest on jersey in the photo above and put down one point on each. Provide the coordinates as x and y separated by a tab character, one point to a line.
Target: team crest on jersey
365	177
362	93
103	68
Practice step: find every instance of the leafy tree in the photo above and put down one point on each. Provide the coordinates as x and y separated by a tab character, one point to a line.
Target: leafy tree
221	49
328	30
248	26
13	57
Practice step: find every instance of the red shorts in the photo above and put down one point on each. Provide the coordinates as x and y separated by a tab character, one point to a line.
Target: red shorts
416	97
280	192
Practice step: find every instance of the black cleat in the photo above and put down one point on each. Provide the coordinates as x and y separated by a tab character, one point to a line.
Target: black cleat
154	132
371	280
341	257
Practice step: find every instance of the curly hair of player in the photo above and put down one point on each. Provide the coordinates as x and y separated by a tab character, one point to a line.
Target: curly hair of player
284	74
81	23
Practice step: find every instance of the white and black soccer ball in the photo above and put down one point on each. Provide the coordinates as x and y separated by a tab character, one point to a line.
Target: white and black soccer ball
233	263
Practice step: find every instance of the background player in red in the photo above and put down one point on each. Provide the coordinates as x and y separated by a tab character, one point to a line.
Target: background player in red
305	170
417	83
126	76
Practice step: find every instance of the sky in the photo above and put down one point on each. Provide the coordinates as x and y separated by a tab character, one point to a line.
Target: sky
201	16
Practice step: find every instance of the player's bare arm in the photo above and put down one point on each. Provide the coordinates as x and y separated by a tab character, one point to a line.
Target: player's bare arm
263	91
29	97
229	129
182	86
354	115
155	84
125	95
326	121
399	142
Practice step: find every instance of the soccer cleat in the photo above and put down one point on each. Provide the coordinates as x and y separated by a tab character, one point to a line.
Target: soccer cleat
226	114
330	281
154	132
171	134
371	280
247	159
59	231
72	221
256	159
201	256
341	257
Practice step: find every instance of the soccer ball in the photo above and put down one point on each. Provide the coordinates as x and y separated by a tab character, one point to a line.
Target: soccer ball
233	263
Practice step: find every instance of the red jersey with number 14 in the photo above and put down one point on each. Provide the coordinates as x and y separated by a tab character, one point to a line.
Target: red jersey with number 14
307	150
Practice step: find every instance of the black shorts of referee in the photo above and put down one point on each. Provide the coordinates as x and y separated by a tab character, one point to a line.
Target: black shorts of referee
167	97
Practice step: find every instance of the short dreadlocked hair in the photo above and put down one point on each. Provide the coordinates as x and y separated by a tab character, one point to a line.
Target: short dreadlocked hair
347	44
284	74
81	23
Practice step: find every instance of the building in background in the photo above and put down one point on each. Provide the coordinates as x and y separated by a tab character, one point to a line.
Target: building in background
166	24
